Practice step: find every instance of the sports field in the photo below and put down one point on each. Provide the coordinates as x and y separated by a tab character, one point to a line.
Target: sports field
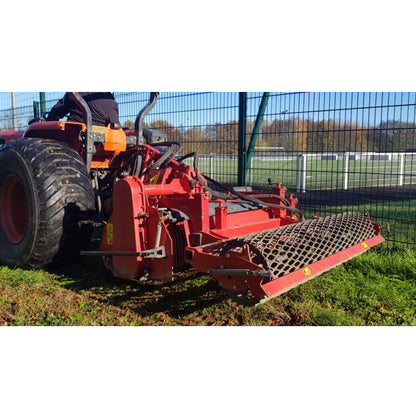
314	174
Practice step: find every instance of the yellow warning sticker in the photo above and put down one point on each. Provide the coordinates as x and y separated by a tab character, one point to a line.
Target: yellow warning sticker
155	178
109	234
365	245
307	271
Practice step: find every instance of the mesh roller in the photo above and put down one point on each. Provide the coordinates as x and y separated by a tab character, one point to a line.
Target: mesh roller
286	249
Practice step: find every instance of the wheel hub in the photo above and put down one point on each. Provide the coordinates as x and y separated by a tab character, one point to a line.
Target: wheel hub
14	209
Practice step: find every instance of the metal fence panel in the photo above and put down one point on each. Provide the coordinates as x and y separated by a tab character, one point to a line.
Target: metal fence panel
334	150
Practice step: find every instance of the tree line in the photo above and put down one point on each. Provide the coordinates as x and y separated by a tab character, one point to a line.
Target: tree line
293	135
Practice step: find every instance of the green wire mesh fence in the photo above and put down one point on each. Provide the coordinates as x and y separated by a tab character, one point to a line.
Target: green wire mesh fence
334	150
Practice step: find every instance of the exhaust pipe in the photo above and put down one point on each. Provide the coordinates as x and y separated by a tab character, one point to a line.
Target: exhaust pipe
89	145
138	124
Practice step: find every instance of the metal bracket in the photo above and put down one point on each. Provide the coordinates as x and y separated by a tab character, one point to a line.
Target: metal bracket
155	253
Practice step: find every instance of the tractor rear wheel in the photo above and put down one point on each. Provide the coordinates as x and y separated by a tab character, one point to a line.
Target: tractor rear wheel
47	205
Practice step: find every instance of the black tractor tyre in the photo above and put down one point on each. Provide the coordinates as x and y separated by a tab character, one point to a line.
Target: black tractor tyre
47	204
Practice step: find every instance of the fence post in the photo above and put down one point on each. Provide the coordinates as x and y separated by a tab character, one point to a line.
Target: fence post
251	172
401	169
346	165
256	128
14	111
301	173
35	109
304	173
42	103
242	138
298	159
211	166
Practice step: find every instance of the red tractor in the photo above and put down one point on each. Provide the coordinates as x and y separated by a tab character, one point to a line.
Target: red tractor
58	178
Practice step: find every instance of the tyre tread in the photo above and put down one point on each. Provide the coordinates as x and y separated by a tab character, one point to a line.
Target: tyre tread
66	199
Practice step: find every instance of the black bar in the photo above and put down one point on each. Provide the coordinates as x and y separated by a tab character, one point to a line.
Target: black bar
113	253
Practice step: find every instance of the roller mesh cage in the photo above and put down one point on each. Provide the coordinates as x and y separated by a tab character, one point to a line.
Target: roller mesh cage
286	249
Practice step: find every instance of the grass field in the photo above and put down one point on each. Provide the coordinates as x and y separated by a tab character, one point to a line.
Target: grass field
320	174
379	176
400	215
377	288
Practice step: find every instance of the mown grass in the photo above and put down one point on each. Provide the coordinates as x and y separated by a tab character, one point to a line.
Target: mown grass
377	288
320	174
